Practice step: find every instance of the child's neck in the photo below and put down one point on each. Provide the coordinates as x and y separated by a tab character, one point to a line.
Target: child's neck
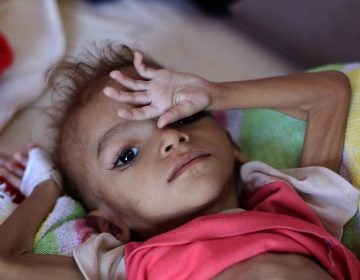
228	200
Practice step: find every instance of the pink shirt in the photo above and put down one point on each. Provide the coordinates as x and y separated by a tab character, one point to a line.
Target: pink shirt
280	221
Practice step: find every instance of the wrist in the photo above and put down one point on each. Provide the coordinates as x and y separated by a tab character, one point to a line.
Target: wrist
215	90
50	183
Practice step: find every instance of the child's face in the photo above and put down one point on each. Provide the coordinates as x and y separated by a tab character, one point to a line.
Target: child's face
152	176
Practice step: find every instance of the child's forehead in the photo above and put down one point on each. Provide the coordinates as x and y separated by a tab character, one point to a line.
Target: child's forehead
100	114
103	105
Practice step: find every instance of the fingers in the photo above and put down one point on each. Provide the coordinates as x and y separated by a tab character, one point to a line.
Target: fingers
177	112
13	170
10	177
3	159
133	98
32	145
134	85
21	159
141	68
142	113
144	71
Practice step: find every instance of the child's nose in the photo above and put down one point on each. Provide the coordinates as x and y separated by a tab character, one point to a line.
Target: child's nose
172	139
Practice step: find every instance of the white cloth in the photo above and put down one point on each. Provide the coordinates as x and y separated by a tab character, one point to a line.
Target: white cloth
34	31
101	257
329	195
39	168
7	206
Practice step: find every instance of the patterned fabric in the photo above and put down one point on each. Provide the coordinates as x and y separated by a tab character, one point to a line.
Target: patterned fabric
63	230
351	156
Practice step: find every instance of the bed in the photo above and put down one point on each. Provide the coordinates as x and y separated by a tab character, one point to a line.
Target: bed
176	33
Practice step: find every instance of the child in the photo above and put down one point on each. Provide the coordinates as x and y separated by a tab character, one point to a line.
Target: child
155	168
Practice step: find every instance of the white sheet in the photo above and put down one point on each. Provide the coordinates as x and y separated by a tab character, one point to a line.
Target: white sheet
34	31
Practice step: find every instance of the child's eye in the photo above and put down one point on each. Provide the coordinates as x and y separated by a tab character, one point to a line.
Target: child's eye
192	118
126	156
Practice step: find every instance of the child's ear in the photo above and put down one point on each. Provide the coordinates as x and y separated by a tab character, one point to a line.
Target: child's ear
116	227
238	154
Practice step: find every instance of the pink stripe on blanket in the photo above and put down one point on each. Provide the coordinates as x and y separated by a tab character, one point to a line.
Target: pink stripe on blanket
221	118
83	231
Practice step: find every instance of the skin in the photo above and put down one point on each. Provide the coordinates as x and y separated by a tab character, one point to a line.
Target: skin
275	266
159	98
17	235
210	180
322	99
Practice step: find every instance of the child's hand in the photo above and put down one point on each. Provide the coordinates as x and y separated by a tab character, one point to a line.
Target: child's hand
28	169
165	94
12	169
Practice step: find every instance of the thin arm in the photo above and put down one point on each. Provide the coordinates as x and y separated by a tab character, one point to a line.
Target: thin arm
17	236
321	99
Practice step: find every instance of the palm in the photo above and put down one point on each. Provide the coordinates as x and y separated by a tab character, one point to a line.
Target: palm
169	89
165	93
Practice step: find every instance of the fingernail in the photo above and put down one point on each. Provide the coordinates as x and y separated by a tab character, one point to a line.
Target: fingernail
3	172
160	124
107	91
123	113
18	156
112	74
32	145
115	74
110	92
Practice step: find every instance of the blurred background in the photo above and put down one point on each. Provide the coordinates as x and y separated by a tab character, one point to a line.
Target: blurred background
219	40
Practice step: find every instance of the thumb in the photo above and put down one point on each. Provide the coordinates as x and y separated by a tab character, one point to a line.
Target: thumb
177	112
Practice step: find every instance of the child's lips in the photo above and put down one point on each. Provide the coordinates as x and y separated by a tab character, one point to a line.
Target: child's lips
184	162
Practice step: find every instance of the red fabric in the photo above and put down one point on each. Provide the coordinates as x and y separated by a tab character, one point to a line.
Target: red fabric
280	221
18	197
6	54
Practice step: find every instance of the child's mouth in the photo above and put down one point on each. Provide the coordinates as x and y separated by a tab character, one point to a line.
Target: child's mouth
186	161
